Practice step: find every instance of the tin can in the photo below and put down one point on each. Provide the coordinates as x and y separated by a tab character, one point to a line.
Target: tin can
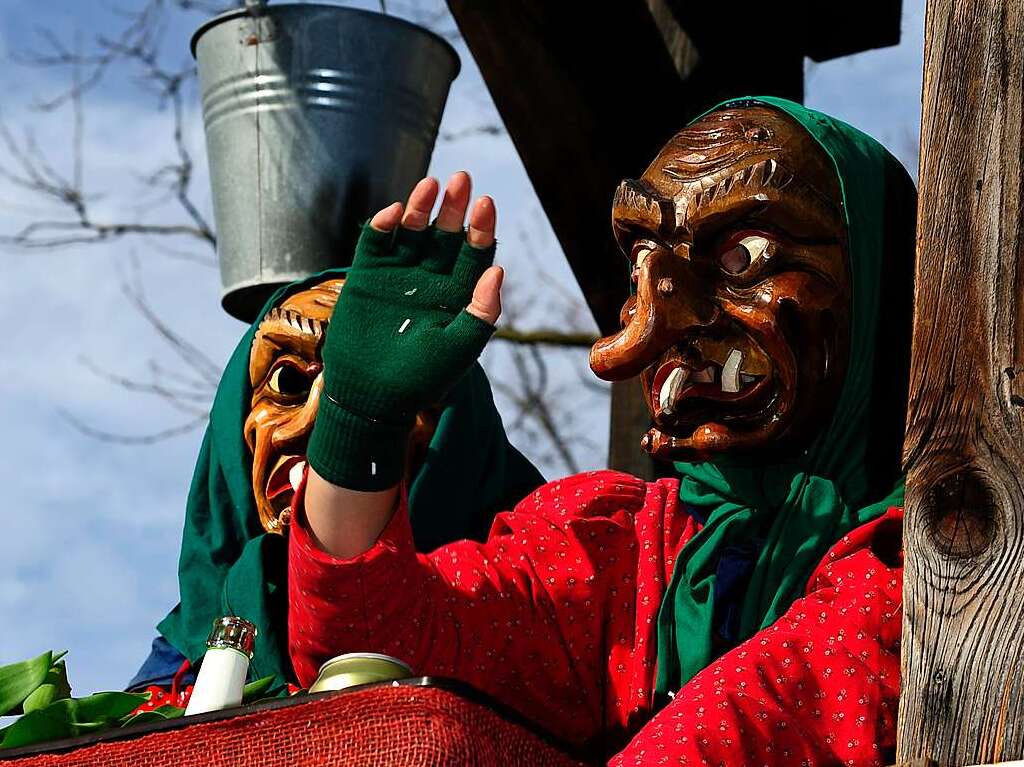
357	668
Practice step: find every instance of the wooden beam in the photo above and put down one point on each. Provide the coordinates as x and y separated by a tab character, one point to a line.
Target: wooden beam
589	93
832	30
963	630
723	37
629	421
587	102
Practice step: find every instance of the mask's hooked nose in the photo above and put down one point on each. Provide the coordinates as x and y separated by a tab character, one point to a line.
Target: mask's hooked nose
670	300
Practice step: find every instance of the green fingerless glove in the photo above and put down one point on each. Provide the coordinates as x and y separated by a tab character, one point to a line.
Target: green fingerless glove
398	340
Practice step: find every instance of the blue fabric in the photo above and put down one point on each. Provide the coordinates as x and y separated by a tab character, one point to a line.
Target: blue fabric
735	565
160	667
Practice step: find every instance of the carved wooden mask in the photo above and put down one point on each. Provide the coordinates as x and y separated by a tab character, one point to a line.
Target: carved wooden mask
739	326
285	371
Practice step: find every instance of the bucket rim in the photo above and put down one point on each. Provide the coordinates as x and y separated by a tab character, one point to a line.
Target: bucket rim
236	12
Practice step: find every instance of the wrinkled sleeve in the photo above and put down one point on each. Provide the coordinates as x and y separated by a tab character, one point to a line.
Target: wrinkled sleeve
523	616
820	686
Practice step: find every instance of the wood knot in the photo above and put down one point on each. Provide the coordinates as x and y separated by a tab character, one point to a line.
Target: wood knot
1011	374
960	513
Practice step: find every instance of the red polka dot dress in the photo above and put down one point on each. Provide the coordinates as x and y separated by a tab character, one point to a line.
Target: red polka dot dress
556	616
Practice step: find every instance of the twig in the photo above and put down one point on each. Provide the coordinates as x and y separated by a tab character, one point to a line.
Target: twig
546	337
138	43
474	130
130	439
531	399
189	353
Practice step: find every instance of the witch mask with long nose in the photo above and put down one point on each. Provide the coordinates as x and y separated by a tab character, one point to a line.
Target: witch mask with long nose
739	322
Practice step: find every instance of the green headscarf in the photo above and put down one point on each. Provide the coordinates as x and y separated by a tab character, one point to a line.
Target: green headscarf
230	566
851	473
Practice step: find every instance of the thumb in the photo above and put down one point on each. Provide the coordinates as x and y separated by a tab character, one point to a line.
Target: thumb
486	303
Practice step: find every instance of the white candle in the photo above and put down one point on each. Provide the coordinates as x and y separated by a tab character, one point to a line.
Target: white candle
221	677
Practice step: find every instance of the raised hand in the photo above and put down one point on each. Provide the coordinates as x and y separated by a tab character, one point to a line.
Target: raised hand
486	300
417	308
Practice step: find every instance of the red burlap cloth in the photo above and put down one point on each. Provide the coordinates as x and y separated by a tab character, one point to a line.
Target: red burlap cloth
416	726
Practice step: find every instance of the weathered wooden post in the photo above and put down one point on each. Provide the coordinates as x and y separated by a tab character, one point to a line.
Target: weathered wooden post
963	651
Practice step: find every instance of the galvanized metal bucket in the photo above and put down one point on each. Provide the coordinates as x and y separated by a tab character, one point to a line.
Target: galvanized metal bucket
315	116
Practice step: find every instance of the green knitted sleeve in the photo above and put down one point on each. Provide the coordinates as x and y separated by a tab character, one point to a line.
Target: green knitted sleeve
398	340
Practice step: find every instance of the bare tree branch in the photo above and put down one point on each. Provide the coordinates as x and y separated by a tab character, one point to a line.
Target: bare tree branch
189	389
138	43
489	129
196	360
35	174
531	398
175	397
128	439
545	337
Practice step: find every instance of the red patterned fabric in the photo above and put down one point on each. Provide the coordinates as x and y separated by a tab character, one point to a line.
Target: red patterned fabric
818	687
177	695
390	727
555	616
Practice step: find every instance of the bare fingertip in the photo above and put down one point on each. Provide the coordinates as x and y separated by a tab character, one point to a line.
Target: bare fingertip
479	238
387	219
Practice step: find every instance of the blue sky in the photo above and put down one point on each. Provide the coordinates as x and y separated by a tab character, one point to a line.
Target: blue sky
89	547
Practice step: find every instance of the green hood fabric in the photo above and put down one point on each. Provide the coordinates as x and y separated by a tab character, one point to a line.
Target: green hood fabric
797	510
230	566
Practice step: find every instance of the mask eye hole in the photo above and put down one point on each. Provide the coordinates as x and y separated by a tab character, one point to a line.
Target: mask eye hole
288	381
742	252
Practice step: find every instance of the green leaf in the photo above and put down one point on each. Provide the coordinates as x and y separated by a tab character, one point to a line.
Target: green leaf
255	690
54	687
40	726
19	680
159	714
104	706
69	717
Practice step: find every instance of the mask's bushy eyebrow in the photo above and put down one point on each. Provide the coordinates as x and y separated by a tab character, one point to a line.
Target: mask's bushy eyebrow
285	331
636	202
762	176
297	321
